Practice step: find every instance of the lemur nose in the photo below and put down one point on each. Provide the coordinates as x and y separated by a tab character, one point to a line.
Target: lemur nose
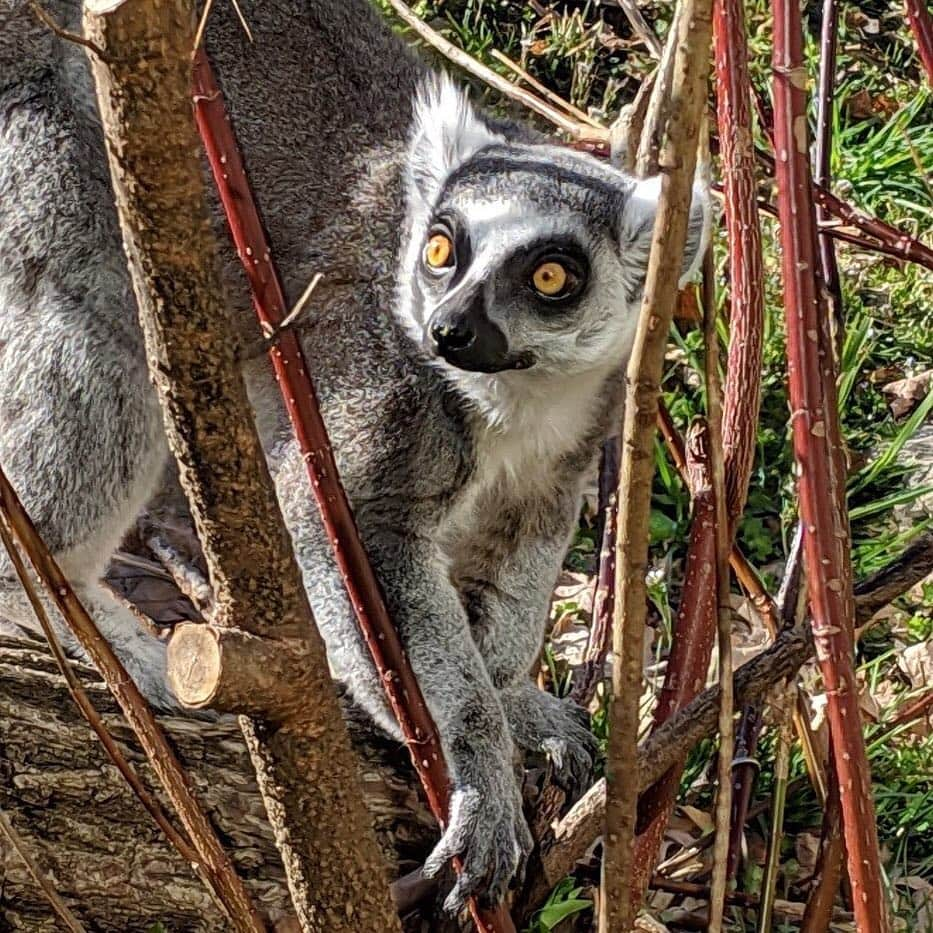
452	333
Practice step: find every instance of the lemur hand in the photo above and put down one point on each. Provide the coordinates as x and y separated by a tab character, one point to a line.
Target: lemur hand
486	829
540	722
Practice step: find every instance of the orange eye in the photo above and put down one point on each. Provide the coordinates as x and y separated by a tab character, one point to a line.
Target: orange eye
550	278
439	251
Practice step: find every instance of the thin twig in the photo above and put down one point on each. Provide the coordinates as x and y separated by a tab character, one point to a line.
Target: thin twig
687	93
202	25
38	875
590	674
545	91
641	28
46	18
723	539
572	127
781	767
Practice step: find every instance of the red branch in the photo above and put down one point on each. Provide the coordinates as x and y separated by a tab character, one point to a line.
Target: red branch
821	474
821	175
921	24
746	276
298	392
590	674
694	632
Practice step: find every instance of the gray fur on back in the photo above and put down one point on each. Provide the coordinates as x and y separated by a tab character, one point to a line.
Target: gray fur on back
465	484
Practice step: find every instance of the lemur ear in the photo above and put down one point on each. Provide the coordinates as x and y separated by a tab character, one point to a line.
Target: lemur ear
637	226
446	131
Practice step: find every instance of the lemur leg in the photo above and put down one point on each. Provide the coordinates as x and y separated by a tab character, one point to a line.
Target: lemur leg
486	826
81	438
508	610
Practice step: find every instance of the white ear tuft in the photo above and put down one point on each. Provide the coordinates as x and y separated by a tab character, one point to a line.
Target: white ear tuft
446	131
638	225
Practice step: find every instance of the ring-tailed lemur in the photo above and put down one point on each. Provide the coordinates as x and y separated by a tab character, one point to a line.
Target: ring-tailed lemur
479	301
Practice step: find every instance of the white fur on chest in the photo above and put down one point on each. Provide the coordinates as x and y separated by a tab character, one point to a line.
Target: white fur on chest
522	429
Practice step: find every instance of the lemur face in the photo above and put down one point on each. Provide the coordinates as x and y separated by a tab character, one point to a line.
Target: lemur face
522	256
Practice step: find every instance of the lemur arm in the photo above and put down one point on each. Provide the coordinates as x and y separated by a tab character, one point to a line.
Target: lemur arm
486	827
486	824
508	610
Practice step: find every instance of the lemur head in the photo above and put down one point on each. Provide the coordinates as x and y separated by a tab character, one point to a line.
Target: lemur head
522	255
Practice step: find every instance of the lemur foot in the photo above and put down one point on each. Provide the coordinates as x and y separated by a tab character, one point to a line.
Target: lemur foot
488	832
542	723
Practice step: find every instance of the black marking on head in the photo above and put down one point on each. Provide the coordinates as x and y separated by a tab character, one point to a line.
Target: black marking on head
496	160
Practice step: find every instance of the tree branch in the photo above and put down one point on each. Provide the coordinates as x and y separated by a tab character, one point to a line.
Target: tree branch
821	478
294	379
305	767
689	54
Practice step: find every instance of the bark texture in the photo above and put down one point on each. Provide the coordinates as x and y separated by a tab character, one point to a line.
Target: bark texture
102	851
680	108
821	474
306	769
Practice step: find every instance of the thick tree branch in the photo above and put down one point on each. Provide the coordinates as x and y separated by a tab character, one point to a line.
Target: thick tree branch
305	767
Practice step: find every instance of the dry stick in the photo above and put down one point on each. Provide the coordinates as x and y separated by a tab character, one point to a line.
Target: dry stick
821	479
38	875
723	541
694	634
640	27
83	701
687	90
264	657
293	376
168	769
460	58
545	91
921	24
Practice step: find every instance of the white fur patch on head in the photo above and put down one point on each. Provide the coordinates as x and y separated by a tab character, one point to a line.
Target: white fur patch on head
637	226
446	131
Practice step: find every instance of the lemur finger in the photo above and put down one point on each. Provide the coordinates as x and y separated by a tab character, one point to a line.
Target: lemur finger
463	816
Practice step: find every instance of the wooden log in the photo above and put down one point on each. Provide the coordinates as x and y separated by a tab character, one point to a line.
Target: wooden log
102	851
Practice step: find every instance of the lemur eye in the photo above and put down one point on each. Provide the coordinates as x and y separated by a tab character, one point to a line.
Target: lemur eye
439	251
552	279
